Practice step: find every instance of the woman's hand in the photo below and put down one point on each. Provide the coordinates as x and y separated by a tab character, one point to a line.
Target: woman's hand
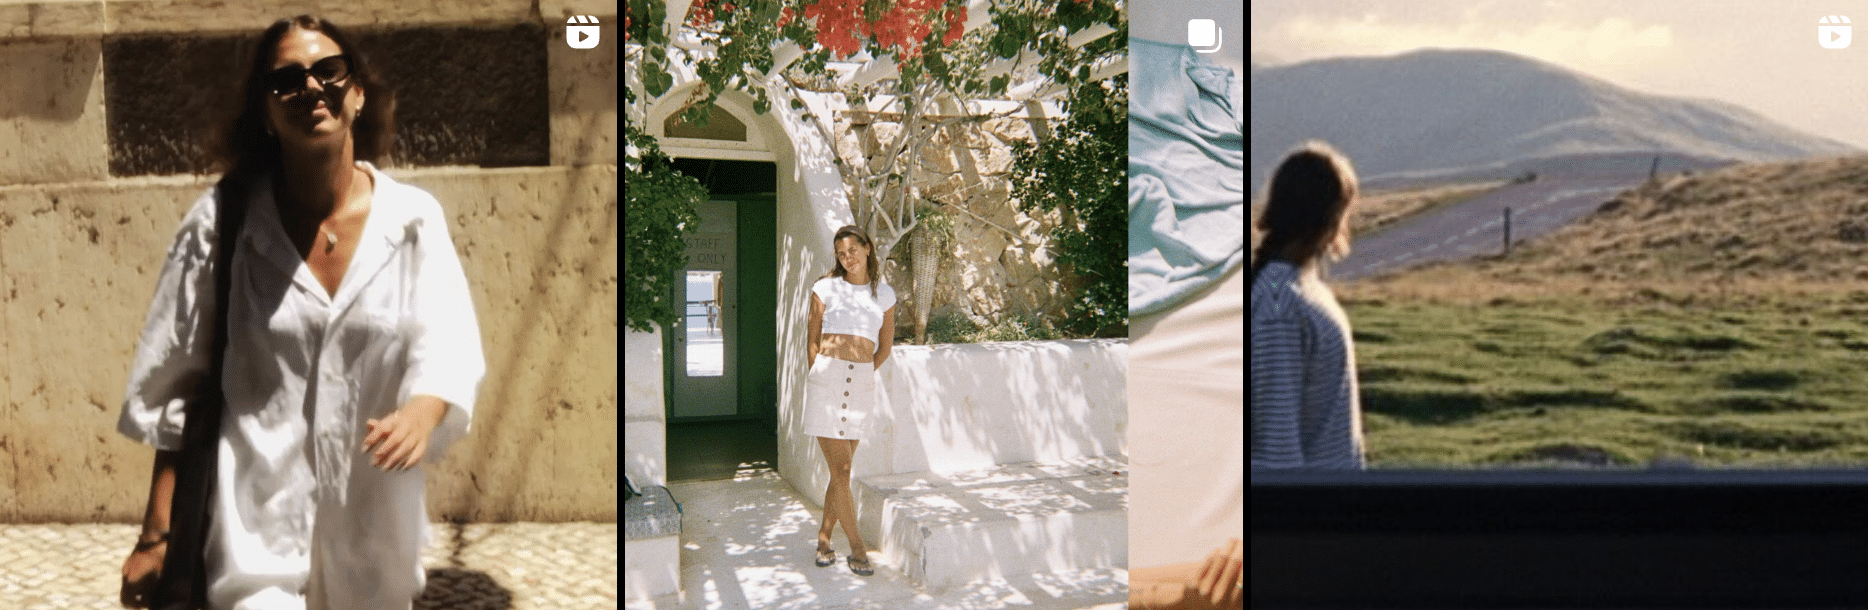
398	441
1216	585
141	571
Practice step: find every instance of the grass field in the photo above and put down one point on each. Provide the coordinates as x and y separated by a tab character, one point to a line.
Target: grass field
1749	381
1718	319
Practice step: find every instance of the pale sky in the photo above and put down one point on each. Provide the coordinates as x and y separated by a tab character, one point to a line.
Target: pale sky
1760	55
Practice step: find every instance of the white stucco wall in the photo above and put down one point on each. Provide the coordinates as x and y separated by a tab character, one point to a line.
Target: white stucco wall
645	427
811	205
957	407
964	406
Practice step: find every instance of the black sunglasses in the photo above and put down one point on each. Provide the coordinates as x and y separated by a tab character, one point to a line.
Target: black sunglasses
290	80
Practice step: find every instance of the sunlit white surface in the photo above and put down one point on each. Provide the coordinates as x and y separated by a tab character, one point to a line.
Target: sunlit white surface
747	543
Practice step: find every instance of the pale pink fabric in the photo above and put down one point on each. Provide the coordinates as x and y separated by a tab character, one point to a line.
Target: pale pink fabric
1187	426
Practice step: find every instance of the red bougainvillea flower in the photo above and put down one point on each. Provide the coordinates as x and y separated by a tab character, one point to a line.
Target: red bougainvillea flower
839	23
956	26
842	27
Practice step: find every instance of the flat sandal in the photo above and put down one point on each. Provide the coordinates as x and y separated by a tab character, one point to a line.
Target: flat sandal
825	557
867	568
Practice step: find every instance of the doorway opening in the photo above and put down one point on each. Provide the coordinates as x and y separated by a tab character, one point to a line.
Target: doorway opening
722	364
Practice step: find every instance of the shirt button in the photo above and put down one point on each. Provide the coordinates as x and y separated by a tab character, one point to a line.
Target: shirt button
846	393
846	380
846	405
839	433
852	367
846	419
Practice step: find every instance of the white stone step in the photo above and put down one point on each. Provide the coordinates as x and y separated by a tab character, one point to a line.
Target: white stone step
949	529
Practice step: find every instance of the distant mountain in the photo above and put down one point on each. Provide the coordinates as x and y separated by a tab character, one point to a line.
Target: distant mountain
1264	60
1458	114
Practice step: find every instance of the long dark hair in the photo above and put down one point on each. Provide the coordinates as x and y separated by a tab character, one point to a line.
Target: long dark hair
242	146
875	270
1309	196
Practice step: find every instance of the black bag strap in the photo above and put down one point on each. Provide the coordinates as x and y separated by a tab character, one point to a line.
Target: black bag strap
183	585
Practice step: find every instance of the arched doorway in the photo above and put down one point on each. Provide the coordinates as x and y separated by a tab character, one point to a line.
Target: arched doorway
720	365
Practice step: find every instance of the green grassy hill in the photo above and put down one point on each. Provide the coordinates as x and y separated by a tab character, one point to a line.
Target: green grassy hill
1585	381
1782	223
1719	319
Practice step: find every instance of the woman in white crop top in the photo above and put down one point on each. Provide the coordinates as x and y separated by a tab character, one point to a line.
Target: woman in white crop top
852	328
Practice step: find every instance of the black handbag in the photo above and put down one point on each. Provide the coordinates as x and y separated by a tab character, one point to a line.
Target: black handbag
183	584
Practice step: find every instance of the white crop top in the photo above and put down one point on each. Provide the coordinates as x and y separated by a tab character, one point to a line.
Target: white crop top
849	310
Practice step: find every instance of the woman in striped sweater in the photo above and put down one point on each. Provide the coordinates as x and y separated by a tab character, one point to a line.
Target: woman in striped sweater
1306	412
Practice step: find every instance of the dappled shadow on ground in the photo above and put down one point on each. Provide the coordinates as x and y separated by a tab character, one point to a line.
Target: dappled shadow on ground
458	589
749	542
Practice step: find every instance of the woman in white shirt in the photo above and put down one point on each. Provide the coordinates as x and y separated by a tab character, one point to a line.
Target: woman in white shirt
852	329
350	334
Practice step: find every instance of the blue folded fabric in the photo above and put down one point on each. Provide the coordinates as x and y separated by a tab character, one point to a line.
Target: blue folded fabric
1187	211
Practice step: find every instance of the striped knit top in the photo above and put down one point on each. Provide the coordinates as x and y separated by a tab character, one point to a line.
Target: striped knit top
1306	408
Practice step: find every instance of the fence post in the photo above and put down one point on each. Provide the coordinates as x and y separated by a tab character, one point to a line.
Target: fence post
1507	231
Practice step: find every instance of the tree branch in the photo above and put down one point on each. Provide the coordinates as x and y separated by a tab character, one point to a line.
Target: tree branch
1016	238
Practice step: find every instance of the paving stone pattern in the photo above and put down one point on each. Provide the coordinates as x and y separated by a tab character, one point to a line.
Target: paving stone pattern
490	566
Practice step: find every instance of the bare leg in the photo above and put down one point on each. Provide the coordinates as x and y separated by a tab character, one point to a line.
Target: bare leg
839	505
852	529
830	516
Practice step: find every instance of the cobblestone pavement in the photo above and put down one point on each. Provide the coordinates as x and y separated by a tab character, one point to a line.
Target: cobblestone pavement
478	566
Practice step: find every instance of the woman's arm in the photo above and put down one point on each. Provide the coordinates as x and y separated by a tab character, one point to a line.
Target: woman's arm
446	359
1277	388
816	328
161	495
143	568
885	341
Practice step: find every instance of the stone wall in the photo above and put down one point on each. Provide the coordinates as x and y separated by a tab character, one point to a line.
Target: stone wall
997	265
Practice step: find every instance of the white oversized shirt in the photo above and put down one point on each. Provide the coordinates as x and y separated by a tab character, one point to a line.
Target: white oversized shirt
301	519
